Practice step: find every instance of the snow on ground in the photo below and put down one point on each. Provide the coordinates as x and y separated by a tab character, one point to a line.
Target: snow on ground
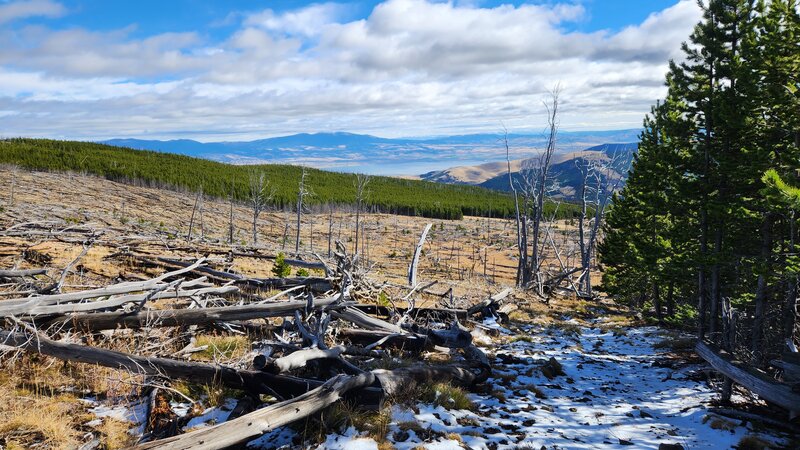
613	395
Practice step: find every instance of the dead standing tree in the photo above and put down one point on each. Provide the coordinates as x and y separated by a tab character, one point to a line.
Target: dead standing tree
536	183
302	192
260	194
361	183
600	178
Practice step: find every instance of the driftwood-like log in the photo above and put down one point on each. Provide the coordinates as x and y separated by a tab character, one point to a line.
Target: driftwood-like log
255	424
179	317
751	417
402	379
300	358
365	321
117	301
316	284
203	373
21	273
752	379
454	337
491	304
408	342
412	268
442	313
22	305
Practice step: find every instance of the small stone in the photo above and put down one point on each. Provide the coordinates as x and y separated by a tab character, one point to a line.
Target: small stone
670	447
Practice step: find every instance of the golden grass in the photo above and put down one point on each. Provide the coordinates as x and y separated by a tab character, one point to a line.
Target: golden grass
48	421
114	434
222	347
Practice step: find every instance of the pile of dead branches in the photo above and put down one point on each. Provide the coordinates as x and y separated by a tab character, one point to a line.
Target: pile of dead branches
317	343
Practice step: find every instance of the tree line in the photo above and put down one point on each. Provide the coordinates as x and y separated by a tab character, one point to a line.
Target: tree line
705	230
215	179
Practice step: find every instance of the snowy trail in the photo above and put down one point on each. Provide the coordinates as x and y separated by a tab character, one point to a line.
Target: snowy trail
612	396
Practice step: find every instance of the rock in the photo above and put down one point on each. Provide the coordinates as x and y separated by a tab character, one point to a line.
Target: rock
552	368
670	447
644	414
625	442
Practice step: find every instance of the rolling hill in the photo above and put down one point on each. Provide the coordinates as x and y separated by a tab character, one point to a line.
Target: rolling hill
180	172
564	169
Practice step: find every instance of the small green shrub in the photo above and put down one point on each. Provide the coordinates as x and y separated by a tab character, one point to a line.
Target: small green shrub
281	269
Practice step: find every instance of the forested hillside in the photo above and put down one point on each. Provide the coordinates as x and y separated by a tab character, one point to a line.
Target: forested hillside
699	233
409	197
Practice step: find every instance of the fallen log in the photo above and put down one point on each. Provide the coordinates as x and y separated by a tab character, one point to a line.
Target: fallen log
752	379
203	373
442	313
489	305
180	317
316	284
751	417
21	273
21	305
117	301
408	342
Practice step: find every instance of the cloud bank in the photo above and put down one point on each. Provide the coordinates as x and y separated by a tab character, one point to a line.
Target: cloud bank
411	67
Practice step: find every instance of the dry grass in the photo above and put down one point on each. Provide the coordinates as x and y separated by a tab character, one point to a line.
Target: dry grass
222	348
51	422
114	434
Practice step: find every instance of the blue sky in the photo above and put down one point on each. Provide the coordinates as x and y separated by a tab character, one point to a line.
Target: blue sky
92	69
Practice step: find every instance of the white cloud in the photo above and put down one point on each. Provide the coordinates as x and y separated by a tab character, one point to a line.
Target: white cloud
308	21
30	8
411	67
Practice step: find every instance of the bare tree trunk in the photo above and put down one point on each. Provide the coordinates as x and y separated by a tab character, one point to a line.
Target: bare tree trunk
761	291
330	230
715	282
790	310
194	210
520	245
230	222
301	193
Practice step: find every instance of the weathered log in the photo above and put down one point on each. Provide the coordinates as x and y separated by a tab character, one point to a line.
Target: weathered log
791	371
203	373
454	337
21	273
751	417
491	303
316	284
117	301
257	423
752	379
179	317
402	379
21	305
408	342
412	268
300	358
365	321
442	313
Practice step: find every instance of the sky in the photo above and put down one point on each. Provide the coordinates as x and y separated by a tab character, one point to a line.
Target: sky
246	69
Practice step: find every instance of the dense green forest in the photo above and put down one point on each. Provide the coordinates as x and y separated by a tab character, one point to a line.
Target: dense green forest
706	229
385	194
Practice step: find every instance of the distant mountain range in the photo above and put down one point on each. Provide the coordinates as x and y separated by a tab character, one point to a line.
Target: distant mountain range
348	152
564	170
